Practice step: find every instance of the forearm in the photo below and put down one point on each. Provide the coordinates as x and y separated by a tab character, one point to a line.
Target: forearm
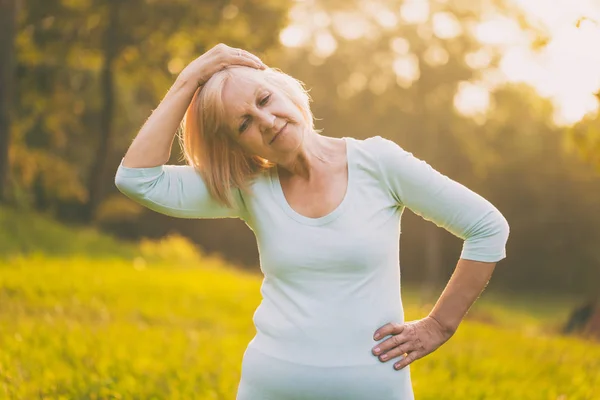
466	284
152	145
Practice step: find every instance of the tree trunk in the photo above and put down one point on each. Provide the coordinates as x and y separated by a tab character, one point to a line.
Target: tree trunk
8	17
98	172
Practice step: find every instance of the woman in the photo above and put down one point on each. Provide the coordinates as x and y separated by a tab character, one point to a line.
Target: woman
326	216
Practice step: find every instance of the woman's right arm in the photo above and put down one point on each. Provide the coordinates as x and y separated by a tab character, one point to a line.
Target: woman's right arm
175	190
152	145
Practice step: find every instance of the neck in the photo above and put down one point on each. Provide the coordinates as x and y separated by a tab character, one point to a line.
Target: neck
315	153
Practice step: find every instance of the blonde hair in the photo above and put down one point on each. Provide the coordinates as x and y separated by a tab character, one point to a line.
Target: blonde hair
212	152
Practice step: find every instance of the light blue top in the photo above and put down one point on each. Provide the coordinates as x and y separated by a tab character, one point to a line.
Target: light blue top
330	282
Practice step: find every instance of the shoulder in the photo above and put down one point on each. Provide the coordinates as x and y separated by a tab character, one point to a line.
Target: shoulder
378	145
381	152
397	167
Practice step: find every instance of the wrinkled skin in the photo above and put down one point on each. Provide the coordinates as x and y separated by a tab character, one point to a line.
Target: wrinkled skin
414	339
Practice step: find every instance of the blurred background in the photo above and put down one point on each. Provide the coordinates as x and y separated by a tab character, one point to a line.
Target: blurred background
499	95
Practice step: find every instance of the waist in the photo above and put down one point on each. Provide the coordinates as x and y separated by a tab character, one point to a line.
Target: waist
324	353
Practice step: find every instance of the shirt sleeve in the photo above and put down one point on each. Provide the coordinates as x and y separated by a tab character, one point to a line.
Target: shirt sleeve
174	190
448	204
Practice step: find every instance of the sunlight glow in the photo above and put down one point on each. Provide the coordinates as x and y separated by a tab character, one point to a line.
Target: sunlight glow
325	44
445	25
471	99
230	11
414	11
294	36
321	19
406	69
567	70
356	83
498	30
400	45
350	25
436	55
478	59
383	15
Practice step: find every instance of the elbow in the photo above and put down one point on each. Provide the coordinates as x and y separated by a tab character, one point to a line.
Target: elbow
127	186
495	226
503	228
487	242
121	184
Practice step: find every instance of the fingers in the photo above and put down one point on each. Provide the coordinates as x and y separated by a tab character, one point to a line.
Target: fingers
410	357
410	341
393	328
399	344
387	353
397	341
218	58
243	57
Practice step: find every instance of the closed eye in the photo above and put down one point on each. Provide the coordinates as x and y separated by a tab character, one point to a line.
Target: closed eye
263	102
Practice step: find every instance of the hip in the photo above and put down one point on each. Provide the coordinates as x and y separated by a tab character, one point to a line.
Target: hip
265	377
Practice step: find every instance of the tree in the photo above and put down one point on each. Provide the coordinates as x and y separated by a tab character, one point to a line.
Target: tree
8	16
110	51
91	71
398	78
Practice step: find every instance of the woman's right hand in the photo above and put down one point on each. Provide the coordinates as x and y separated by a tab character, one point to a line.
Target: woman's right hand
217	58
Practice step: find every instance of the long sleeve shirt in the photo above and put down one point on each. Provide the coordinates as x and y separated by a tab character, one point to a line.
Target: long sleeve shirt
330	282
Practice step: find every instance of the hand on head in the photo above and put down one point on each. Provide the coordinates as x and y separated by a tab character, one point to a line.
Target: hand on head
219	57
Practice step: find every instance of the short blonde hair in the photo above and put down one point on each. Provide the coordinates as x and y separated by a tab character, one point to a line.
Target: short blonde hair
209	148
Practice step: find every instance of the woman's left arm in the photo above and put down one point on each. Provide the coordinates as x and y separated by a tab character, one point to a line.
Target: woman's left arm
416	339
428	193
466	284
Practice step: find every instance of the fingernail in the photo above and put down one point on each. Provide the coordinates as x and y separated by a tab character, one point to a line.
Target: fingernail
376	336
377	350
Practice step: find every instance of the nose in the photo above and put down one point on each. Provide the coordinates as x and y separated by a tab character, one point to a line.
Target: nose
266	121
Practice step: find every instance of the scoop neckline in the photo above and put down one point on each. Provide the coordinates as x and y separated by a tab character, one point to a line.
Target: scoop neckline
335	213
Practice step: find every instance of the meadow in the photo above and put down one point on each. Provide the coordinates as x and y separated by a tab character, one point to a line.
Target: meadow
95	319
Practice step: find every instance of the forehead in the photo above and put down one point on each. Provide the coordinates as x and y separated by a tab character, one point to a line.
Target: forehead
240	91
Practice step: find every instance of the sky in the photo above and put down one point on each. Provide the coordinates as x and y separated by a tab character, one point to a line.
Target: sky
566	70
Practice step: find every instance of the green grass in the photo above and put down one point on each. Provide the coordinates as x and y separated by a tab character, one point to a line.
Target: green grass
82	328
25	232
159	320
89	329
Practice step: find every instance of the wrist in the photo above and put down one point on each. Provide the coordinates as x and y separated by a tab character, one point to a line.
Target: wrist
447	327
187	80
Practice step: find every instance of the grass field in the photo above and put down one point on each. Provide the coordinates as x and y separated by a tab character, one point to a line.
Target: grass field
79	327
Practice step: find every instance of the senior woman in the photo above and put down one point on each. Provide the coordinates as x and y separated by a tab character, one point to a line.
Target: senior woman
325	213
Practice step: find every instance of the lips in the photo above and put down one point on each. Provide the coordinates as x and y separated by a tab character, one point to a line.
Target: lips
278	133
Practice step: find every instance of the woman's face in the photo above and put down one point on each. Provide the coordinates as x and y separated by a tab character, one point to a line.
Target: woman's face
263	120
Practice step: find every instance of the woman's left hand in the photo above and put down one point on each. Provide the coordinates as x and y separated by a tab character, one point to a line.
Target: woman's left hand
414	339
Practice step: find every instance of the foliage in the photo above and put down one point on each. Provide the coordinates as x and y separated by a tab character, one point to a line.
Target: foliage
27	233
33	234
61	47
584	139
512	154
